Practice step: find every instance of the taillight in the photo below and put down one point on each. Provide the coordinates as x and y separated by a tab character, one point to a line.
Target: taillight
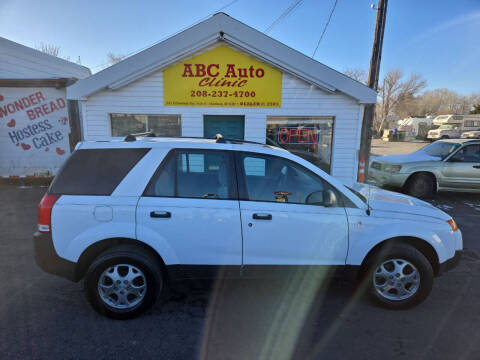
45	212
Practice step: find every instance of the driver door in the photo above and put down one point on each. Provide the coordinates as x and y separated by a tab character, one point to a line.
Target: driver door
462	170
283	219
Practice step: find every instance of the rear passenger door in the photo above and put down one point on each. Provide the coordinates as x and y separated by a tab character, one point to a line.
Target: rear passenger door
190	208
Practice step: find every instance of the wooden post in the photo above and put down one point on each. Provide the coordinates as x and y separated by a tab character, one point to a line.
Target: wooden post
75	126
369	111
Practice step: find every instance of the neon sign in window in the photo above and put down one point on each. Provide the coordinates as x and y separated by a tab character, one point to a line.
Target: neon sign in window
298	135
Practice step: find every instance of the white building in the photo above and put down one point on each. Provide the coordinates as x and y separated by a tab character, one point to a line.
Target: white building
34	119
222	76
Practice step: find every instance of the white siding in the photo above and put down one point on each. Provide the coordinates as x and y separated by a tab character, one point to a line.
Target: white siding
145	96
21	62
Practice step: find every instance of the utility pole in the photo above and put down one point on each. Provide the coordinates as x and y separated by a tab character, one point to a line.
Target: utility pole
369	111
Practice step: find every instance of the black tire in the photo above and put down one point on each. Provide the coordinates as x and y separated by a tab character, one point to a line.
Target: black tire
445	137
138	259
409	254
421	186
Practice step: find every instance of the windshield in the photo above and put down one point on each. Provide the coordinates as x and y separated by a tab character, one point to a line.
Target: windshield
445	127
440	149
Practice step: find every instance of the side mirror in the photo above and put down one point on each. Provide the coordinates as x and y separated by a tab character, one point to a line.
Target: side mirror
329	198
325	198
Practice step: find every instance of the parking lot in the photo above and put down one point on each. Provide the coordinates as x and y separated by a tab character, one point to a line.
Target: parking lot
380	147
45	317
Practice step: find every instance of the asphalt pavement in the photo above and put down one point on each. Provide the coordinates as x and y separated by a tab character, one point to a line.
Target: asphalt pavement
46	317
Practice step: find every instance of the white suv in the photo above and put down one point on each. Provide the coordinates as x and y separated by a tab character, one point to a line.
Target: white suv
129	216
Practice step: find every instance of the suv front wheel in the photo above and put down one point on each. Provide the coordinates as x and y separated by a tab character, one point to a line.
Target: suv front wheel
123	282
399	276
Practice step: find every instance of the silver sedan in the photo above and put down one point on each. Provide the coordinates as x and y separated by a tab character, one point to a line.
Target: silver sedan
451	165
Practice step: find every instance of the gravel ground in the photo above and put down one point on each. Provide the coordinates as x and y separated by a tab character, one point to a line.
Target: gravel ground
380	147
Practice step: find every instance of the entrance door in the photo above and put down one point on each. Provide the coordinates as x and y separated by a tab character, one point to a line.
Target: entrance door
230	126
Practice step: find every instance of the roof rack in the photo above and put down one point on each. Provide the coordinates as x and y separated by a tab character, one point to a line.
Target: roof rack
133	137
218	138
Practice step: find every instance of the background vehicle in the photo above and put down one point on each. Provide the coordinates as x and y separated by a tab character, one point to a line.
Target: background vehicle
475	134
130	216
453	126
452	165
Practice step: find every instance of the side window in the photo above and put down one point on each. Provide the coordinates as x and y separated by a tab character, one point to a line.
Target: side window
469	154
272	179
194	174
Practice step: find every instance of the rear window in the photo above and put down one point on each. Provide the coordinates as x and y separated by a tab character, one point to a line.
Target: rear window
95	171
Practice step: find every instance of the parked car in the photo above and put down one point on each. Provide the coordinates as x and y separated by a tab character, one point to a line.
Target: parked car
446	131
128	217
452	165
475	134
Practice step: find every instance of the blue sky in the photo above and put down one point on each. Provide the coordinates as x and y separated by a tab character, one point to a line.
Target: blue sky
436	38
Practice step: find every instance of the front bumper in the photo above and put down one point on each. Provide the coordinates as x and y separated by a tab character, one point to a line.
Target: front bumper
48	260
383	178
450	263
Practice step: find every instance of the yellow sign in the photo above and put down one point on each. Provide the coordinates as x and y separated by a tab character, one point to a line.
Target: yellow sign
222	77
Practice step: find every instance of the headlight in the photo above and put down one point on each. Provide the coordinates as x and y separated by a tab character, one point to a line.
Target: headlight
452	224
392	168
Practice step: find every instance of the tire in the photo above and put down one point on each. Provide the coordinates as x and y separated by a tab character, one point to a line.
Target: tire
402	291
140	281
445	137
420	186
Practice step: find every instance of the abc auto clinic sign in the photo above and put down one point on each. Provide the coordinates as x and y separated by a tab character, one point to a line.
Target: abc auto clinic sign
222	77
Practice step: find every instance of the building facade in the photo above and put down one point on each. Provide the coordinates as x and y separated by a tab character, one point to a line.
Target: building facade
221	76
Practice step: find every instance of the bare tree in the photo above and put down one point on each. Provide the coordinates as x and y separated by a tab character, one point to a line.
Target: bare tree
358	74
115	58
394	92
51	49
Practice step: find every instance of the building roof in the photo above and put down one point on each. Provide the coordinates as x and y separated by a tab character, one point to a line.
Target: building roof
20	62
221	28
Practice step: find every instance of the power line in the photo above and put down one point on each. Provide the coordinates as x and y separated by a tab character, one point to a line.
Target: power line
159	41
283	15
325	28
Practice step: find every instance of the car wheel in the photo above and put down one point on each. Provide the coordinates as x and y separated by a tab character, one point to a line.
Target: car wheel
420	186
445	137
123	282
399	277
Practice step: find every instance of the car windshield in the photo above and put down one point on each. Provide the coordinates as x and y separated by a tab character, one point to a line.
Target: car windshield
445	127
440	149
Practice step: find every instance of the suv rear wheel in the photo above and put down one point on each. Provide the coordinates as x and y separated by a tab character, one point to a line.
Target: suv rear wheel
123	282
399	277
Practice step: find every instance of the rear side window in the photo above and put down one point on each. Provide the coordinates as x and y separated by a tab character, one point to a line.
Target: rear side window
95	171
200	174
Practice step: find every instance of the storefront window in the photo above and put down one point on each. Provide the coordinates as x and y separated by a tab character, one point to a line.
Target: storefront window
307	137
161	125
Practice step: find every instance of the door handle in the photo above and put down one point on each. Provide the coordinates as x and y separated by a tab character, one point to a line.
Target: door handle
160	214
262	216
476	166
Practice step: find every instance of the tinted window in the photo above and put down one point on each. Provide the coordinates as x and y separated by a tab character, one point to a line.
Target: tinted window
470	153
95	171
268	178
194	174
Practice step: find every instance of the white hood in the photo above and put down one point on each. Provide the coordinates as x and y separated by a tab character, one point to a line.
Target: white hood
384	200
406	158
